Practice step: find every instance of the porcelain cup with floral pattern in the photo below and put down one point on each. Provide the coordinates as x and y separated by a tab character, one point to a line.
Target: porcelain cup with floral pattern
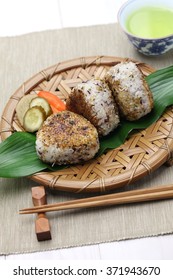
147	46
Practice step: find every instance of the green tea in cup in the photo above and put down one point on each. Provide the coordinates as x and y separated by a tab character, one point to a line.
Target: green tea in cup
150	22
148	25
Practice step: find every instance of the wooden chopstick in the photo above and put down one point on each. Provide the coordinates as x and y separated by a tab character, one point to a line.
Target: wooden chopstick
134	196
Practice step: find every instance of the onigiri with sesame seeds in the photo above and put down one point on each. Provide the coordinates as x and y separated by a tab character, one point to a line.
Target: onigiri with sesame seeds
94	100
131	92
66	138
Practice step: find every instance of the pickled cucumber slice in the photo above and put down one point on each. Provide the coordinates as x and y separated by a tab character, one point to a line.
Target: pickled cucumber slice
39	101
34	118
23	105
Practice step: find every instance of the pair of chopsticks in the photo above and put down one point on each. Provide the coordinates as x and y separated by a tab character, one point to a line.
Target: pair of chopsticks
134	196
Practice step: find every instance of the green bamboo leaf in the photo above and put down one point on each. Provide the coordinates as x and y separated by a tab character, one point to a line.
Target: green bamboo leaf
18	156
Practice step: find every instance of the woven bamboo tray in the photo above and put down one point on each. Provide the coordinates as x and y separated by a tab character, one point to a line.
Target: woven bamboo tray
140	155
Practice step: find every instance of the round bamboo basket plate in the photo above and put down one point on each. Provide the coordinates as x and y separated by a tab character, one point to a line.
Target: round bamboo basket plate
141	154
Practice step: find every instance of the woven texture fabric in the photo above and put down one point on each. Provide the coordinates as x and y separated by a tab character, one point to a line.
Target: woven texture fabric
22	57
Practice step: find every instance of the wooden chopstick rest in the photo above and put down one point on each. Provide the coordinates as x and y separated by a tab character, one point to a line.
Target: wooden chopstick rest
42	226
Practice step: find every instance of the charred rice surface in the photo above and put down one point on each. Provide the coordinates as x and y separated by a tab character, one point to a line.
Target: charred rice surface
67	138
131	92
93	99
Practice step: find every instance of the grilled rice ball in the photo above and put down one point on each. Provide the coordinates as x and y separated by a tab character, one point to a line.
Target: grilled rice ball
66	138
93	99
131	92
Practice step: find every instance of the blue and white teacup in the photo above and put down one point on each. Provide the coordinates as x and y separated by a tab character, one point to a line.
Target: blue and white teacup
147	46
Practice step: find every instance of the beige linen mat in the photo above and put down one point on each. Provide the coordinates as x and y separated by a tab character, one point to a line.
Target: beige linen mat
23	56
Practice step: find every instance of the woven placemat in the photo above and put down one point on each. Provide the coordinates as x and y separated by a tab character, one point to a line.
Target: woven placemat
21	58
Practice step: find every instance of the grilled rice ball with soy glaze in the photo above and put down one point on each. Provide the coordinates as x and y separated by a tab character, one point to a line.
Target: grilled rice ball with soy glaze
66	138
94	100
131	92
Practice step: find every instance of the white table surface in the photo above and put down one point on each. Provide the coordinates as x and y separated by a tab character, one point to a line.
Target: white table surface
19	17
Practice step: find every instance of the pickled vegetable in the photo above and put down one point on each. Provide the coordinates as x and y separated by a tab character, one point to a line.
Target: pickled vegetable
34	118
